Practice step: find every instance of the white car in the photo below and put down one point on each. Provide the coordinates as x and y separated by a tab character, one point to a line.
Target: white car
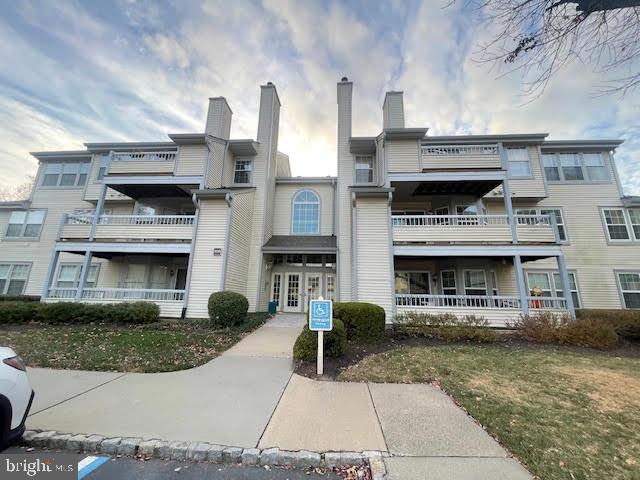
16	396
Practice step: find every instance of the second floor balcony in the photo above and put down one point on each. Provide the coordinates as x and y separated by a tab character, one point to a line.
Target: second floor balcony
460	157
139	228
473	229
142	163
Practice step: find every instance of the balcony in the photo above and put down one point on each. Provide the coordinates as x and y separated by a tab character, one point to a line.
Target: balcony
460	157
142	163
128	227
472	229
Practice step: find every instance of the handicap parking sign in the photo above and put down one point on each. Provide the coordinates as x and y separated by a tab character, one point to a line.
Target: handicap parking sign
320	315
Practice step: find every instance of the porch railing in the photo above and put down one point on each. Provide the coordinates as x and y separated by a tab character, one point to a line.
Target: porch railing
440	150
451	220
143	156
478	301
84	219
152	294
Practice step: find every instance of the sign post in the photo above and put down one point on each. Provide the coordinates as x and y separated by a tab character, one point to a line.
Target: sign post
320	320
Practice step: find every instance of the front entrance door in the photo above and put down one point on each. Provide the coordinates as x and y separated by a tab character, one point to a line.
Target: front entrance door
313	288
293	294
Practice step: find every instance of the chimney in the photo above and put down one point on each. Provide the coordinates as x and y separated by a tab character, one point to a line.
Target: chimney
345	89
393	110
269	119
218	118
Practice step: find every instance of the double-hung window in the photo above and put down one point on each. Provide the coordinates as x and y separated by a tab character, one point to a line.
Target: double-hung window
475	282
13	278
575	167
364	168
527	216
519	165
550	165
66	174
242	172
595	166
570	166
616	222
69	275
25	224
549	285
629	283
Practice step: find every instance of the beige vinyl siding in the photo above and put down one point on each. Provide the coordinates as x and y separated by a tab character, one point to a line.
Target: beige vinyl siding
373	254
393	110
218	118
284	204
228	169
94	186
451	233
403	155
527	187
191	159
142	232
214	168
344	180
283	168
143	167
239	241
206	269
461	162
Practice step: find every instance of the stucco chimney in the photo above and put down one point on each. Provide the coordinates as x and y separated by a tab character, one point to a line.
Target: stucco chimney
393	110
218	118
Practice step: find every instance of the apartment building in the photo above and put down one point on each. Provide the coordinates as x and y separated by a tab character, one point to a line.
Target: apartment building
492	225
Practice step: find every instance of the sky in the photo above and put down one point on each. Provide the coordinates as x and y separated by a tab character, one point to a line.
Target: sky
136	70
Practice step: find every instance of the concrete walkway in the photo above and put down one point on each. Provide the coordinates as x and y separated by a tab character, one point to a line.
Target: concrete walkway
227	401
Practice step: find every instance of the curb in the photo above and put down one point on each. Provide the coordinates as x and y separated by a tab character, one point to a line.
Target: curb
202	451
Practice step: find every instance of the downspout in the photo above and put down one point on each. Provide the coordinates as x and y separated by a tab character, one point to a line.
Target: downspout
354	263
225	252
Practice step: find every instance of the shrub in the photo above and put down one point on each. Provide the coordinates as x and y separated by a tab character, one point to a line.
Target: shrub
549	327
363	321
625	322
79	313
227	308
335	342
19	298
446	326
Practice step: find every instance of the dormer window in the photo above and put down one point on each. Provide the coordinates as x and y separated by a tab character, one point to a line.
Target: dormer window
364	168
242	172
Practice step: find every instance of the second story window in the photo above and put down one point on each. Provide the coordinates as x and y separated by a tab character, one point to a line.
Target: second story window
575	167
364	168
25	224
65	174
622	224
306	213
242	172
519	165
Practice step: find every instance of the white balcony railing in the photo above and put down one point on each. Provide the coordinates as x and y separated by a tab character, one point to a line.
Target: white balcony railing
57	292
124	294
449	150
146	220
144	156
452	220
479	301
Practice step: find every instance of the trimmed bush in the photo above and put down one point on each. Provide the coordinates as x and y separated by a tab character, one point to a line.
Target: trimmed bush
227	309
79	313
445	326
364	322
335	342
549	327
625	322
19	298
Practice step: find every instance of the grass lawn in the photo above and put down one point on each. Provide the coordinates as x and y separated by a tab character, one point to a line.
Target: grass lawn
566	415
161	347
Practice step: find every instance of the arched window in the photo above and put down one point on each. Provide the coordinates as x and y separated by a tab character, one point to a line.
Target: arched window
306	212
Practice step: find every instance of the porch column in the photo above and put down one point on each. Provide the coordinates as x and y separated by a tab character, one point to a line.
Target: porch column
566	288
507	193
48	280
83	274
522	288
98	212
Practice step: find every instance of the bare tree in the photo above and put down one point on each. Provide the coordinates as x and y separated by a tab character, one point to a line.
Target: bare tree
540	37
17	192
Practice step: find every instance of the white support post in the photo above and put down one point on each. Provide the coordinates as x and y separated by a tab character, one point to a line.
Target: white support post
509	208
320	352
522	289
566	288
98	212
86	264
48	281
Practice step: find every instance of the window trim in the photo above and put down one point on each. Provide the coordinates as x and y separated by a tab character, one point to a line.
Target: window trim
57	186
293	204
538	211
455	281
619	286
372	169
550	273
11	267
429	276
632	240
21	238
235	170
519	177
585	173
464	281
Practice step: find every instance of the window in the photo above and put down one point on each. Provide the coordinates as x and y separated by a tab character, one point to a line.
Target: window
242	173
306	213
475	282
364	168
570	165
557	213
634	217
573	286
519	165
276	285
65	174
295	260
448	282
412	283
595	166
13	278
629	283
104	164
69	275
25	224
551	171
529	214
550	284
539	281
331	287
616	224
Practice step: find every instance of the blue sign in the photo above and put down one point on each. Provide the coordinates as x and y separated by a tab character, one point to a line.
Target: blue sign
320	315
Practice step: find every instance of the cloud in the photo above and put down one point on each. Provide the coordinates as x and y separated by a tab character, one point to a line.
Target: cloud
137	70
